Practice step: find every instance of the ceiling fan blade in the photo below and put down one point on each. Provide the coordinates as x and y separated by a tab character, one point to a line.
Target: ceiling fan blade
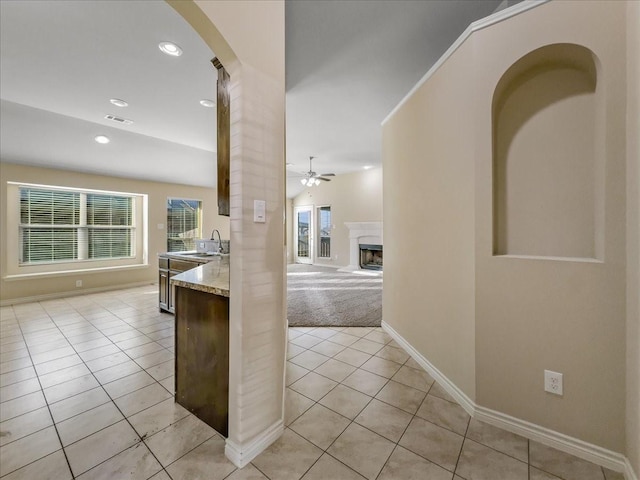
325	179
327	174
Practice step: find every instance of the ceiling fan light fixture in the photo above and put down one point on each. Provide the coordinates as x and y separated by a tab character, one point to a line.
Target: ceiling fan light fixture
118	103
317	182
303	181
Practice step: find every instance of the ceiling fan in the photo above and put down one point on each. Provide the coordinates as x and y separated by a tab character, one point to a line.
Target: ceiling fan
312	178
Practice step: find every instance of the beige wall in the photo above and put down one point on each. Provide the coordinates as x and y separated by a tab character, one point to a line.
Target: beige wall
633	236
157	214
524	315
353	197
428	230
289	229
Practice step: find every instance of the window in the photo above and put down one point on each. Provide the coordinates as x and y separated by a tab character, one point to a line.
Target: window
324	222
58	225
184	224
58	230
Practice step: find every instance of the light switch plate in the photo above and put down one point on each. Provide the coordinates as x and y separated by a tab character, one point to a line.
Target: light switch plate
259	211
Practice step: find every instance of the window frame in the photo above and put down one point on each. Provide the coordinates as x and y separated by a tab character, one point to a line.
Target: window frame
16	270
319	235
200	218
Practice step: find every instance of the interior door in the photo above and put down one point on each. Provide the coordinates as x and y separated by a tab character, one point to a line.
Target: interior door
303	230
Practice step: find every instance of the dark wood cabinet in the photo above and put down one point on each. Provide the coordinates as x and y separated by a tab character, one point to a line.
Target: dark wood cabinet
202	356
169	267
224	137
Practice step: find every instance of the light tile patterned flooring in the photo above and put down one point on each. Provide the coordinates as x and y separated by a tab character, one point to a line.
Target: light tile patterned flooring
86	389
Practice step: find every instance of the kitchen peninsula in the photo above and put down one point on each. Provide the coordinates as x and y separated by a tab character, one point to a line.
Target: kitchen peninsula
202	340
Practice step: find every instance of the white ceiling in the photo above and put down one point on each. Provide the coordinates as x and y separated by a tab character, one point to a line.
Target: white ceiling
348	64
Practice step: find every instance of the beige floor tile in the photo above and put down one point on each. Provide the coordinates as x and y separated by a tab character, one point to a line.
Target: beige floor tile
367	346
498	439
385	420
414	378
345	401
288	458
323	333
47	356
170	384
293	350
436	444
77	404
380	366
158	417
306	341
8	355
478	462
365	382
70	388
161	475
173	442
401	396
144	349
162	370
437	391
353	357
51	467
94	354
146	397
133	342
366	461
446	414
49	346
320	426
562	464
335	370
344	339
309	360
128	384
328	348
393	354
28	449
17	376
378	336
248	472
24	425
87	423
313	386
63	375
19	389
405	465
107	361
294	373
59	364
94	449
293	333
358	331
17	364
111	374
295	405
535	474
91	344
134	463
328	468
21	405
206	461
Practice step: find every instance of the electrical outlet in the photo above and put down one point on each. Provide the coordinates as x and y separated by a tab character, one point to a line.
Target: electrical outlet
78	283
553	382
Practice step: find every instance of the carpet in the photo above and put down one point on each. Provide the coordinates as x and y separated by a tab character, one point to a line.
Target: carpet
321	296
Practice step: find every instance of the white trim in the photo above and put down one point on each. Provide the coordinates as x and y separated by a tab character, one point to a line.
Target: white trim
579	448
71	293
474	27
241	455
64	273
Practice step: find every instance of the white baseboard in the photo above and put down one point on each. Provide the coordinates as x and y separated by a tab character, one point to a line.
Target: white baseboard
587	451
241	455
70	293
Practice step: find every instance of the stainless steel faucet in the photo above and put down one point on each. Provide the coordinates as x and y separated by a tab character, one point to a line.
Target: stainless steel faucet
215	230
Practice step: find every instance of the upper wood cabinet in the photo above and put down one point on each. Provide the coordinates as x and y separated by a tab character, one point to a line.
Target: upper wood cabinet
224	137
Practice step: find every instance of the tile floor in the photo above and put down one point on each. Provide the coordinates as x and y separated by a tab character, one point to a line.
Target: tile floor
86	389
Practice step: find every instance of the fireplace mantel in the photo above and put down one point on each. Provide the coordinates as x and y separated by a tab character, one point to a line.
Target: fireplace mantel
361	232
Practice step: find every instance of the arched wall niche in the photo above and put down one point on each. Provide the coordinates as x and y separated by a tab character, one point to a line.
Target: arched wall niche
548	156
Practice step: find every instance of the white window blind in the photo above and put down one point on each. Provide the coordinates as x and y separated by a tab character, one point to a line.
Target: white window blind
65	226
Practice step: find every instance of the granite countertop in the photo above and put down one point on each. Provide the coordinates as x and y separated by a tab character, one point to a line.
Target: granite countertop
194	256
212	277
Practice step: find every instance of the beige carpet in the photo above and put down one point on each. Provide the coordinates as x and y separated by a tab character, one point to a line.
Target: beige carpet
322	296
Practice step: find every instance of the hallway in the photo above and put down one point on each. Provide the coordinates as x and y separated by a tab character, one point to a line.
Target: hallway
86	391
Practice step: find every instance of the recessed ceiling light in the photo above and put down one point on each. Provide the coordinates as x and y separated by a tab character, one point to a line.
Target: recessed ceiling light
170	49
119	103
368	167
205	102
103	139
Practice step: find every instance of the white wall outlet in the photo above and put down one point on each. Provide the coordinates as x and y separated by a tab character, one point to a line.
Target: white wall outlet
553	382
78	283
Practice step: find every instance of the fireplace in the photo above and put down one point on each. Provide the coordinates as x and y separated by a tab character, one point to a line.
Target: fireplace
370	256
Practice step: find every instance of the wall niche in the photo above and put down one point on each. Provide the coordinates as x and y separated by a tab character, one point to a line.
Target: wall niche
548	156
